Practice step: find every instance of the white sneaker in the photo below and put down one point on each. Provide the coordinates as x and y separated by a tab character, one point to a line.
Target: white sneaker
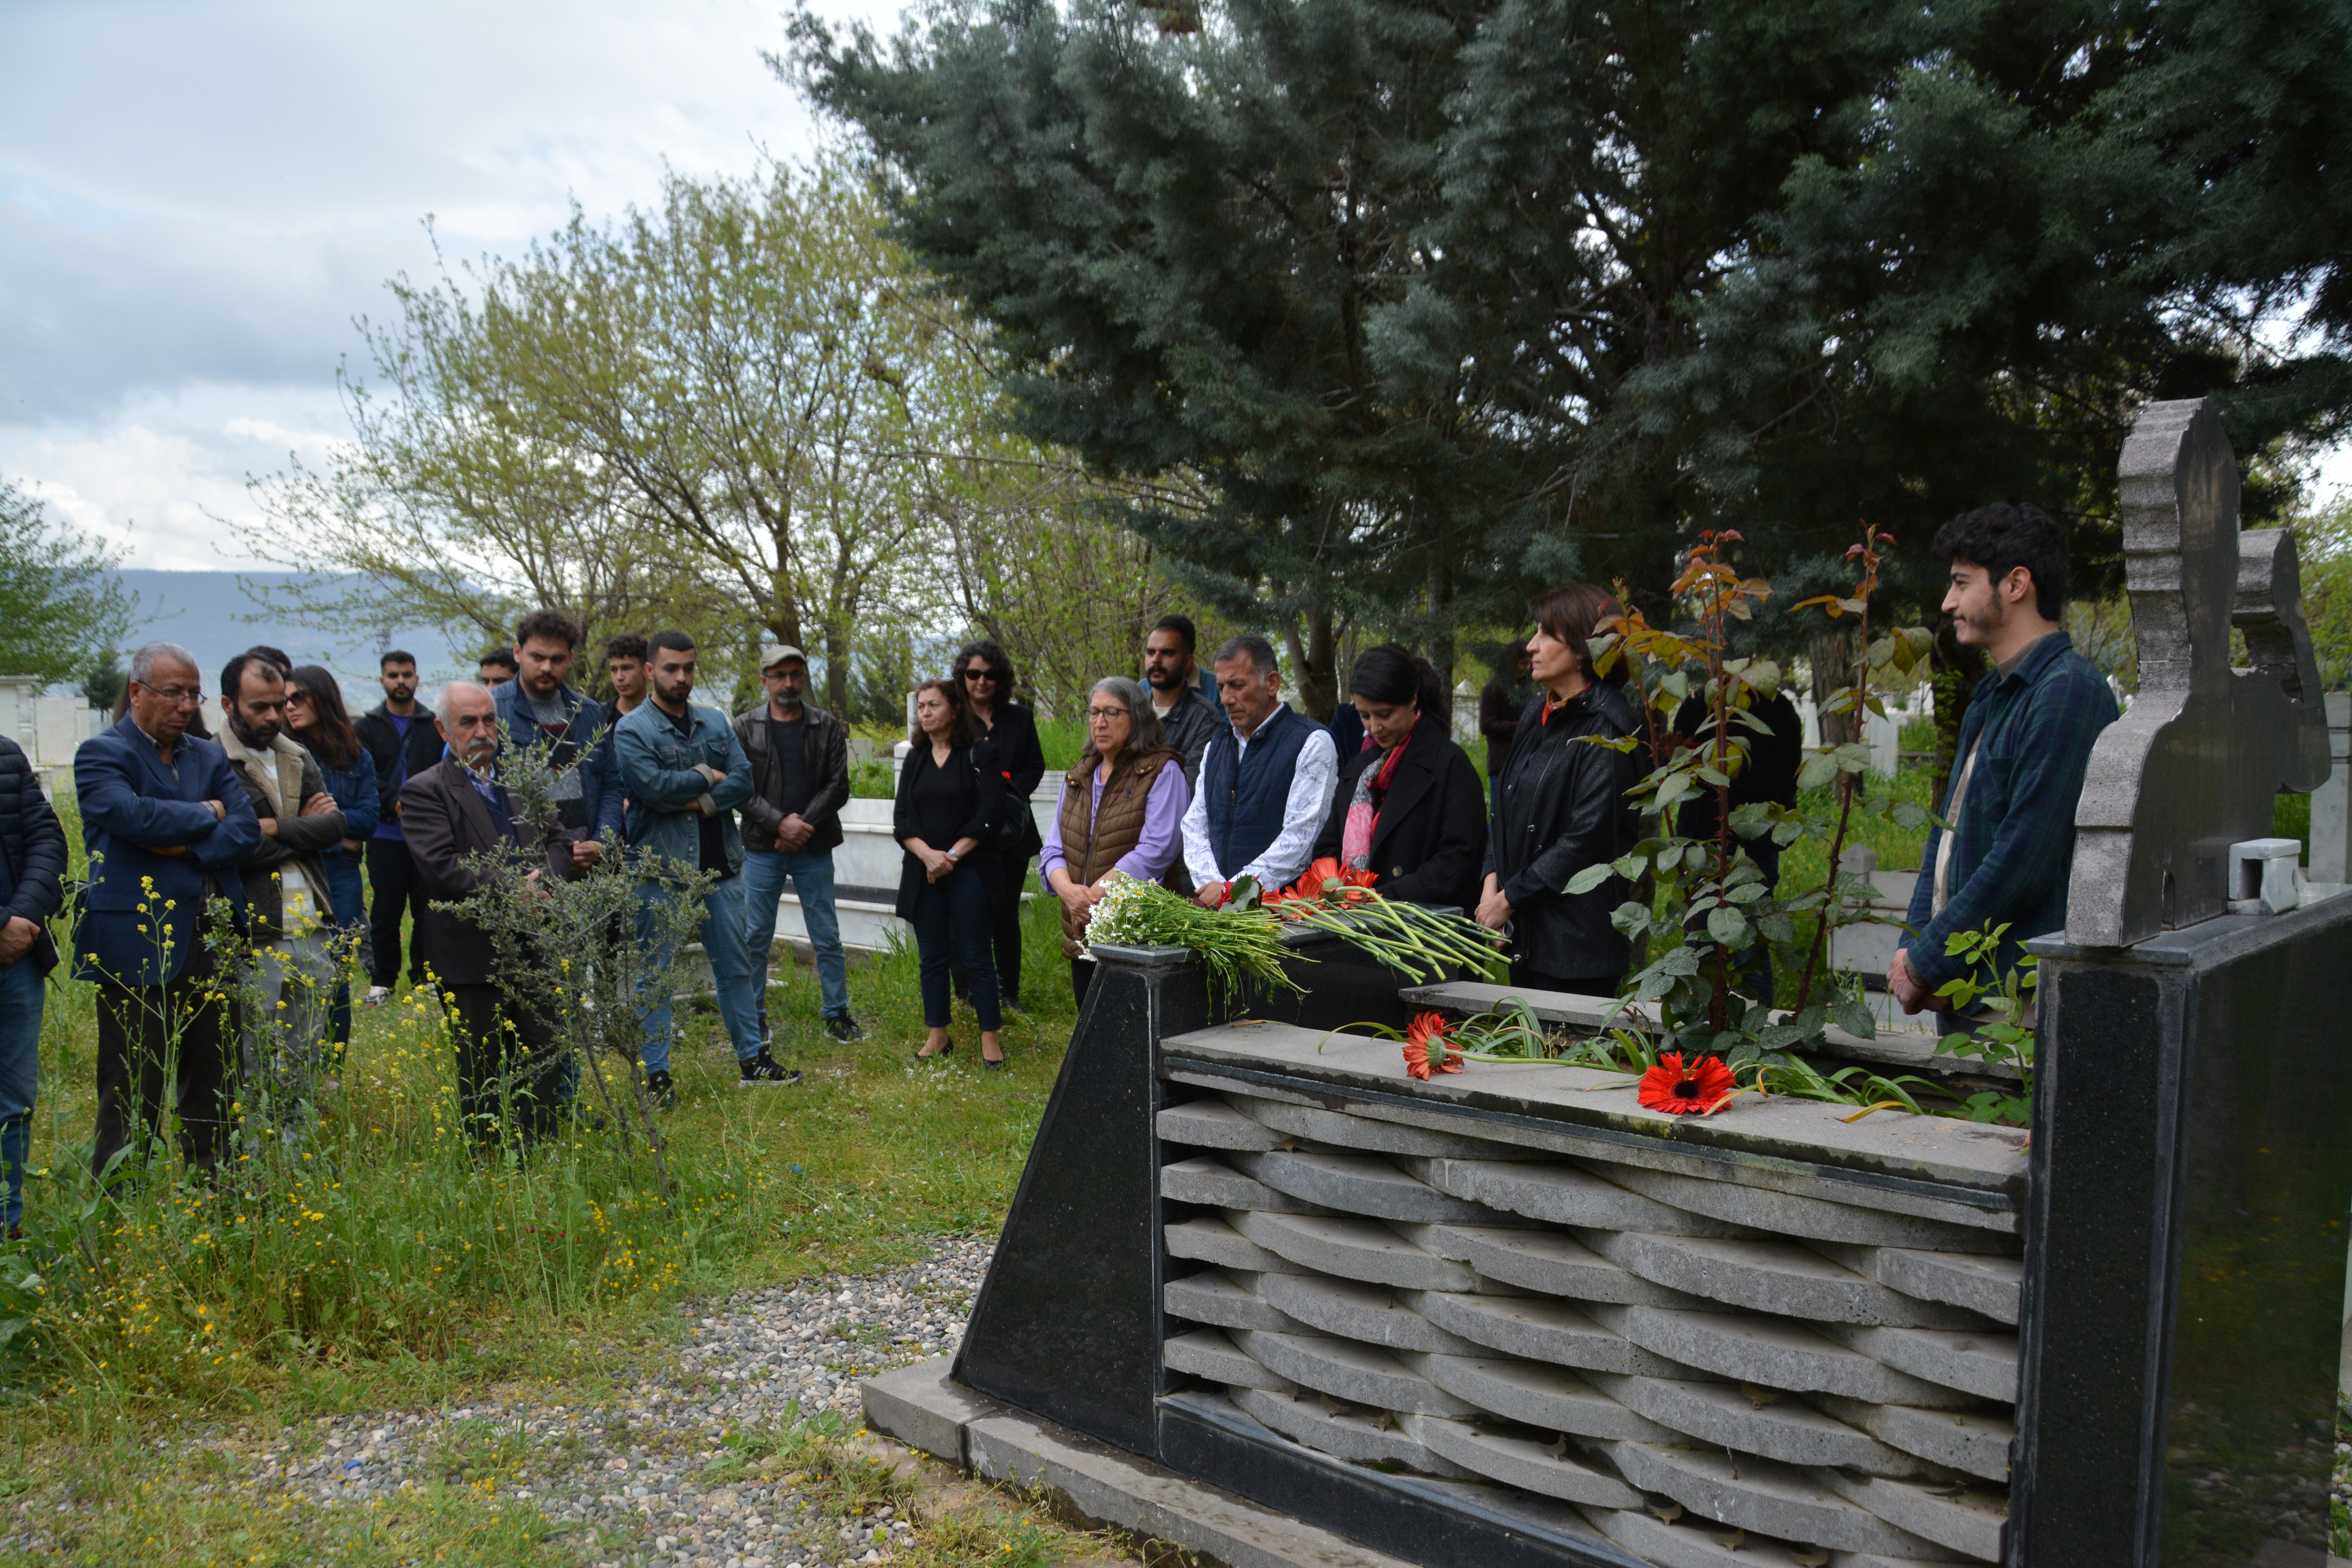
377	995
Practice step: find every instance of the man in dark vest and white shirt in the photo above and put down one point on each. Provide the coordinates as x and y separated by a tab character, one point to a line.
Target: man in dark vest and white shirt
1265	781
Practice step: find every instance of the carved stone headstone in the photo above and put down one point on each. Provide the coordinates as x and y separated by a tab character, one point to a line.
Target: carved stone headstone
2196	762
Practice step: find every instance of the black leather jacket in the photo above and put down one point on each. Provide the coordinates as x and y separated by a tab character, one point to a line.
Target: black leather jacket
34	843
826	751
1563	807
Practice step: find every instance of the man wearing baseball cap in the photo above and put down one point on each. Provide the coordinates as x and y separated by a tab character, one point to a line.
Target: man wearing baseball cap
800	779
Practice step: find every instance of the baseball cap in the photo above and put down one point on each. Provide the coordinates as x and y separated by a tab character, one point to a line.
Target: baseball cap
775	653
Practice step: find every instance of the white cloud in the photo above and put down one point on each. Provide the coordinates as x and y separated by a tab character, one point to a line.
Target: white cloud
195	202
166	480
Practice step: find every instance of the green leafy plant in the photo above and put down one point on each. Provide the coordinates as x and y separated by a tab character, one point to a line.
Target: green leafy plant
571	950
2008	1039
1713	914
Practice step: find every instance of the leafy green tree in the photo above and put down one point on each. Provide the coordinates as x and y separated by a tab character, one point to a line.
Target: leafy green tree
1186	246
102	680
744	399
2323	540
62	609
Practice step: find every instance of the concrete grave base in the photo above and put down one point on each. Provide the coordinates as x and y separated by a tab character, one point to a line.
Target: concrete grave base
919	1407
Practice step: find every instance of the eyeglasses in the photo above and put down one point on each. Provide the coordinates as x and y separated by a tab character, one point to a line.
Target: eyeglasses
1107	714
182	696
981	672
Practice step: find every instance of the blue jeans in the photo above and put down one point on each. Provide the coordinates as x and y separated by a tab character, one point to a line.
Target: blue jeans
22	993
346	891
955	912
765	872
737	982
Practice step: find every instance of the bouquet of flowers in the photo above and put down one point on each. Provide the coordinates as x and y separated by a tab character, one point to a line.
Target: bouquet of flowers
1233	944
1412	939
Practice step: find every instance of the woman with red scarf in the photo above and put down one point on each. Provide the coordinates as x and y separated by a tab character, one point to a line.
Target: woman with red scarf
1408	807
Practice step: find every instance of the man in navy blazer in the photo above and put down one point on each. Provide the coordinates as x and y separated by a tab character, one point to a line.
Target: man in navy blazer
164	820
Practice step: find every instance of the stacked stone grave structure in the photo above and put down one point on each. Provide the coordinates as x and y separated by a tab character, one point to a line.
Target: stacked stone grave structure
1510	1316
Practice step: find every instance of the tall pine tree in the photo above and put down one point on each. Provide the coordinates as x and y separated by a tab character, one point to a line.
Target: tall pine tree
1442	301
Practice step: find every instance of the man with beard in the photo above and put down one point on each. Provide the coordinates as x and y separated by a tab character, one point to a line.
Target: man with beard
687	776
399	735
2024	745
461	825
285	880
539	707
1187	719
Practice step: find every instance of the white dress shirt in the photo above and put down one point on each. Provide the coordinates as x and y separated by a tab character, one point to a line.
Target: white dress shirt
1312	780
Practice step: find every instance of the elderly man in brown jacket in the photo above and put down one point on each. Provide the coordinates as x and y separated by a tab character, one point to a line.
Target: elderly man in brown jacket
285	887
458	820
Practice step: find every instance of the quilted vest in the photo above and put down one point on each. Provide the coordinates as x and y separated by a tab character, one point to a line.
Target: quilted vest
1244	804
1091	848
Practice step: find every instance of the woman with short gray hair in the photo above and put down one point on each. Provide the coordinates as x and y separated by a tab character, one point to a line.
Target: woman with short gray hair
1122	808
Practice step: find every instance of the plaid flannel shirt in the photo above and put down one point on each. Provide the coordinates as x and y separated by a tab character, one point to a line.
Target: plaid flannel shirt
2032	731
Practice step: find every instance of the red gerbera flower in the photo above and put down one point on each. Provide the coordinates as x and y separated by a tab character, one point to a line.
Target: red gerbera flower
1424	1046
1698	1089
1328	880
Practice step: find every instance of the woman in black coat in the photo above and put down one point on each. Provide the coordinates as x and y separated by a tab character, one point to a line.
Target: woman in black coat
1408	807
949	792
1561	807
985	676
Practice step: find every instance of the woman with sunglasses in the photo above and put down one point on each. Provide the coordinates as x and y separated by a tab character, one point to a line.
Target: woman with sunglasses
315	715
986	677
951	791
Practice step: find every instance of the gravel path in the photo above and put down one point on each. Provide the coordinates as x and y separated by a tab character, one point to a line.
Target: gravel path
634	1474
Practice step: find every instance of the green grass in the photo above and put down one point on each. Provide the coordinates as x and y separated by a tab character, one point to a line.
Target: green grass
383	1268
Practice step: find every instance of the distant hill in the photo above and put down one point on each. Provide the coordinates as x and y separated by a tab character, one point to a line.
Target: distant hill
211	615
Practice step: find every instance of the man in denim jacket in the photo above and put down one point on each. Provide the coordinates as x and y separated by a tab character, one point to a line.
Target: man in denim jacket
537	709
685	773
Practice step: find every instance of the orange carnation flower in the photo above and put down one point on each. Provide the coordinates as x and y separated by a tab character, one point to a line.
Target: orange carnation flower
1424	1046
1699	1090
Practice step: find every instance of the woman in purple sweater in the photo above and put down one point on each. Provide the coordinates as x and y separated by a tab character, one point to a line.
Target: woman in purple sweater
1122	808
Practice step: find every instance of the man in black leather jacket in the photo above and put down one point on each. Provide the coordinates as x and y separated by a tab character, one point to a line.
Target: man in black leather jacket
791	825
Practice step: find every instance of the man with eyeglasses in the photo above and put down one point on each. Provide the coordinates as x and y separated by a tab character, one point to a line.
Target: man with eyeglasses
164	821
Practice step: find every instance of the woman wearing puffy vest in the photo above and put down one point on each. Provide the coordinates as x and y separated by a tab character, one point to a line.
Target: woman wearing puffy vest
1122	808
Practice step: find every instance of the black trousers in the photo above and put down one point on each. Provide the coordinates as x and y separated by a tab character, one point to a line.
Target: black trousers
394	891
951	928
1082	975
1002	872
188	1026
509	1072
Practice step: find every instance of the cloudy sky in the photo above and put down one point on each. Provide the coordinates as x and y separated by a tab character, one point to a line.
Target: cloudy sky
197	199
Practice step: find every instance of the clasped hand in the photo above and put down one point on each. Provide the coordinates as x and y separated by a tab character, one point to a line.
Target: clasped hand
16	938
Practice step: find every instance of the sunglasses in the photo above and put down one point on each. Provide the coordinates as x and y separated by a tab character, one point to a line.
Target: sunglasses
982	672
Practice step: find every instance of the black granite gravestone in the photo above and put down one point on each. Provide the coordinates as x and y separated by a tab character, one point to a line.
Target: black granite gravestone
2185	1207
